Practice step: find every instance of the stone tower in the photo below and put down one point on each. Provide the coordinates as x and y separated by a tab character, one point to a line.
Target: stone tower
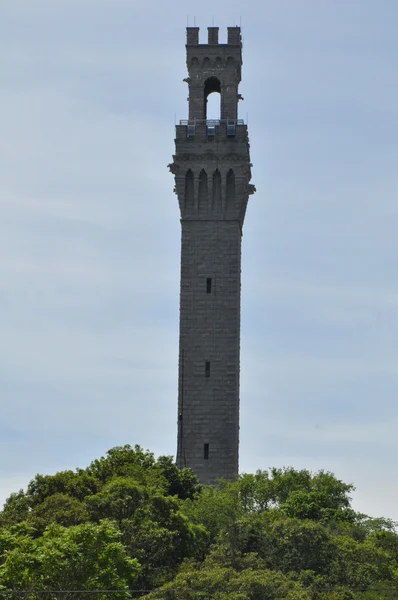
212	174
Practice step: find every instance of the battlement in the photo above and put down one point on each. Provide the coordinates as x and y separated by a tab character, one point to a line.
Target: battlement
234	37
214	67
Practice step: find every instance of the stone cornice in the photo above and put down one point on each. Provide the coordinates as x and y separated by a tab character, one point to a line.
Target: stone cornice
210	156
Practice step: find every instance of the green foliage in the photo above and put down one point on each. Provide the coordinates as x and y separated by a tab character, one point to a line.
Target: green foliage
298	493
131	520
117	500
58	508
181	482
82	557
16	509
161	537
125	461
361	564
224	583
290	544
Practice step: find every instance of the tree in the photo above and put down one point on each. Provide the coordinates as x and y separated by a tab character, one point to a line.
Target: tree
161	536
181	482
300	494
130	519
58	508
117	500
82	557
225	583
15	510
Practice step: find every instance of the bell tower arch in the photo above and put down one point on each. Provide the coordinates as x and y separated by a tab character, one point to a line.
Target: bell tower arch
212	172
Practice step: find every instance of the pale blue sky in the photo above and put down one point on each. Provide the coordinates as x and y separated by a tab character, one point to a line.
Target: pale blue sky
90	234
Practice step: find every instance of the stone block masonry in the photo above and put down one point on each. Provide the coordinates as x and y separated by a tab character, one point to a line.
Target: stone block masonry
212	182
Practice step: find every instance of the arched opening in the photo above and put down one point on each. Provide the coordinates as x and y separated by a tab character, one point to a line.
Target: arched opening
230	190
189	191
212	98
213	106
216	199
231	185
203	193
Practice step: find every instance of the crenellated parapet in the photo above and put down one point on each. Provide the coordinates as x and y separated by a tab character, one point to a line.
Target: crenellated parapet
213	67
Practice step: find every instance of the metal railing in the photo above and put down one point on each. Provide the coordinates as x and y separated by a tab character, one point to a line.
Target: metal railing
211	122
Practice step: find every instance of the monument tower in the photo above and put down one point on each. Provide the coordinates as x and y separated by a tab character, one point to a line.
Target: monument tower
212	174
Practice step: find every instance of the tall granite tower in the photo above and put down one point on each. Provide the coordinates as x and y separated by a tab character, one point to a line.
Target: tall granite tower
212	174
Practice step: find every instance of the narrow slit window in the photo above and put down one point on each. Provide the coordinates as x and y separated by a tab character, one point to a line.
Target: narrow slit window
208	285
207	368
206	451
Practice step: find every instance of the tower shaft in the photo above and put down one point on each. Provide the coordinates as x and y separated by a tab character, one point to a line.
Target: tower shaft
212	174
